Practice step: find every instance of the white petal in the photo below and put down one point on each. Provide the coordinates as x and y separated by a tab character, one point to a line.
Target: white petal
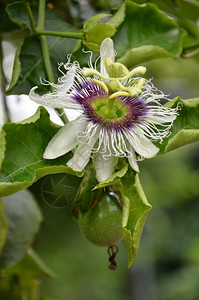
106	50
80	158
142	145
55	99
65	139
82	154
132	159
104	166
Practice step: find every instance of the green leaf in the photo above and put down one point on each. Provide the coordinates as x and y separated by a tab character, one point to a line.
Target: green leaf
97	35
185	129
191	38
135	210
28	65
186	14
145	25
28	68
16	73
18	15
137	56
93	22
23	161
23	219
118	17
3	225
113	179
96	32
181	8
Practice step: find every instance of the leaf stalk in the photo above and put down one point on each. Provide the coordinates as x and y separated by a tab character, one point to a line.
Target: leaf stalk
30	15
76	35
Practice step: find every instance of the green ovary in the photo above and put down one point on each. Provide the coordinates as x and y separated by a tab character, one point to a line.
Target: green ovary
111	109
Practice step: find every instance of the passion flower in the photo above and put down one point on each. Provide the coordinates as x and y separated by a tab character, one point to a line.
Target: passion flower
120	114
102	225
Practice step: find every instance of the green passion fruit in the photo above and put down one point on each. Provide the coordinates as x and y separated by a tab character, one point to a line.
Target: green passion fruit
102	225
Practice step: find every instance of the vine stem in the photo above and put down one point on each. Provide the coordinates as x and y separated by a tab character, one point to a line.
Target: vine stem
45	52
46	58
3	85
41	14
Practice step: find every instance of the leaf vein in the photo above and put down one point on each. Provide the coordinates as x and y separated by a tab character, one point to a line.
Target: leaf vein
26	146
21	168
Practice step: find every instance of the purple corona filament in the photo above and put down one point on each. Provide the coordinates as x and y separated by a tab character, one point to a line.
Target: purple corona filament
88	92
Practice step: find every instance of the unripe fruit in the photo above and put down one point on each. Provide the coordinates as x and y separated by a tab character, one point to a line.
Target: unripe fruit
102	225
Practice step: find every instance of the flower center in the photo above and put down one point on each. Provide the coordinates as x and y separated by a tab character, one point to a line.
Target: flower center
111	109
119	113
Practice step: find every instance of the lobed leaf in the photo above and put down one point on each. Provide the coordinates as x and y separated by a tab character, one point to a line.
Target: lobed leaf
146	26
23	218
185	129
135	210
24	144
